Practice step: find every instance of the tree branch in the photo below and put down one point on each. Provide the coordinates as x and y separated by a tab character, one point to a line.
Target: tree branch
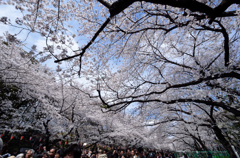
226	43
89	43
105	3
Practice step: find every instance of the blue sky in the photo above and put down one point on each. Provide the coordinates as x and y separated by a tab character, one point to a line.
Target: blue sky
29	38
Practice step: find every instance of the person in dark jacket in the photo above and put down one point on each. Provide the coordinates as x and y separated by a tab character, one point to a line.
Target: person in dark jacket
73	151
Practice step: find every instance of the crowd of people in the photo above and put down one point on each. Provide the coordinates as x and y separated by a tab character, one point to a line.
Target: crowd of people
78	151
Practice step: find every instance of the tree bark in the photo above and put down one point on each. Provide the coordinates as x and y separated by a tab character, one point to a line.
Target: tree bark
47	134
224	142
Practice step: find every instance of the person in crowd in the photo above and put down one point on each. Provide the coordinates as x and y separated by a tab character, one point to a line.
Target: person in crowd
39	149
140	153
110	153
160	155
89	152
102	154
29	154
85	154
57	155
20	155
133	154
60	153
52	153
93	155
115	154
172	155
180	155
44	149
145	154
121	153
185	155
128	153
45	155
73	151
166	155
152	154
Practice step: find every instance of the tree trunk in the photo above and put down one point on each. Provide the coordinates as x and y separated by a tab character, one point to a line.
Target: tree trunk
224	142
47	135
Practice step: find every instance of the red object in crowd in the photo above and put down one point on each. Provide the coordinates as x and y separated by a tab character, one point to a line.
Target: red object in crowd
40	139
12	137
1	136
30	138
60	142
21	137
65	143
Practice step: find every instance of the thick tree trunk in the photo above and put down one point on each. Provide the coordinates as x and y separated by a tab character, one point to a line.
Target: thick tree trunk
47	135
203	146
224	142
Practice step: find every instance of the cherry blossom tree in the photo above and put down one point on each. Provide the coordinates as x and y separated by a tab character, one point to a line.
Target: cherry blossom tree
148	54
25	100
35	97
185	127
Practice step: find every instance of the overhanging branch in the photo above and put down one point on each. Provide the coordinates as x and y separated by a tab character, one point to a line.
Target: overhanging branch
105	3
83	50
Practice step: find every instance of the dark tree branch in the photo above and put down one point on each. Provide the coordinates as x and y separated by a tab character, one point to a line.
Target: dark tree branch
200	80
214	103
224	14
68	132
211	103
100	96
35	20
228	90
192	5
48	134
83	50
226	43
105	3
211	113
178	120
221	9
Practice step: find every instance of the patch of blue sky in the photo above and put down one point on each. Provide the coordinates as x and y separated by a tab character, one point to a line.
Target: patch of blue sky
22	33
233	7
26	36
132	108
